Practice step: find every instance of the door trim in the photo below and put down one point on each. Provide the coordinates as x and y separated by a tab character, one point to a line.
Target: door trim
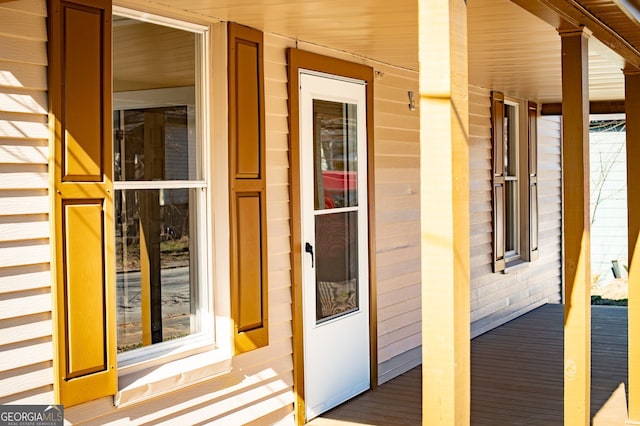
298	59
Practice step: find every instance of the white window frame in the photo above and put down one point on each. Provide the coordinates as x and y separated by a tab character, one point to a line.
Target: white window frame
207	352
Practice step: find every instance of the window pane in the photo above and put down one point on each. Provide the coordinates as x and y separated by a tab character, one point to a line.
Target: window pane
155	144
511	217
511	140
511	185
155	85
336	264
335	154
155	252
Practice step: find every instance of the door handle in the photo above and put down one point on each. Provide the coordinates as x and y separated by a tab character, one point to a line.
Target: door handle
309	249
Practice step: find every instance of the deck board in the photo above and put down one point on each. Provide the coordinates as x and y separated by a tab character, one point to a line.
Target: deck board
516	377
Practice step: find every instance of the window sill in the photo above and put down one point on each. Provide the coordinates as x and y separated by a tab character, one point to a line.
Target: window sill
154	381
515	266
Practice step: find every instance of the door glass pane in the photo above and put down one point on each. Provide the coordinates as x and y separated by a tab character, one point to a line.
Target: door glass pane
154	258
335	156
336	264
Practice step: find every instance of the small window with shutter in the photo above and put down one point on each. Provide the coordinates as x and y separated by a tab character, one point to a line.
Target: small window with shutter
514	181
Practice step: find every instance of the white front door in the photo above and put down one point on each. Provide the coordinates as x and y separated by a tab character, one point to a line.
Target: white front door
333	150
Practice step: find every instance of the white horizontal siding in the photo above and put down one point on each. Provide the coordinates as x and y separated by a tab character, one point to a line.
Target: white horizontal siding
24	303
23	127
27	383
28	7
23	101
397	176
16	202
29	51
21	152
27	176
24	227
26	374
22	329
32	351
498	298
608	204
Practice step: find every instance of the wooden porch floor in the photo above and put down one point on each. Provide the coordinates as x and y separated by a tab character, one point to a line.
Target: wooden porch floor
516	377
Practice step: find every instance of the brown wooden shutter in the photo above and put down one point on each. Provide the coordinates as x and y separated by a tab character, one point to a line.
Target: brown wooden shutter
533	181
80	117
498	175
247	189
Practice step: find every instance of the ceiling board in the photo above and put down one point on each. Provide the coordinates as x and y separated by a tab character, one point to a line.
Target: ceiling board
509	48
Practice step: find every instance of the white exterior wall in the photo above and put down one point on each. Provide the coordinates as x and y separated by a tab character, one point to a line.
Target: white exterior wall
498	298
397	173
608	204
26	373
260	385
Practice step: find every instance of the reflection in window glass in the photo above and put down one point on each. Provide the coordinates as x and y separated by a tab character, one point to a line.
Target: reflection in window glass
336	264
154	258
511	180
159	183
335	154
154	144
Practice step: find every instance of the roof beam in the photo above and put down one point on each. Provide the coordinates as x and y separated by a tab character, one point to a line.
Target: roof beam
595	107
564	14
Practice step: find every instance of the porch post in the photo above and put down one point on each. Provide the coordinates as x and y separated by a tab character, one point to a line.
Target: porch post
444	182
577	257
632	108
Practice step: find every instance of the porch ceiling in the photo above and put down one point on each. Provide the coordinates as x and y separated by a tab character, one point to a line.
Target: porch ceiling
510	49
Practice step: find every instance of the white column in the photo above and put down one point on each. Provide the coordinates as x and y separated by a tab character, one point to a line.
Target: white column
444	154
576	227
632	109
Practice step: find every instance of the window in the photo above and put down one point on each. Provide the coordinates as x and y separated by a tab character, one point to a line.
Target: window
165	242
515	181
160	185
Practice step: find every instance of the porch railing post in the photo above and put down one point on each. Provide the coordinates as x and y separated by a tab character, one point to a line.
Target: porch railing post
576	227
444	181
632	109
